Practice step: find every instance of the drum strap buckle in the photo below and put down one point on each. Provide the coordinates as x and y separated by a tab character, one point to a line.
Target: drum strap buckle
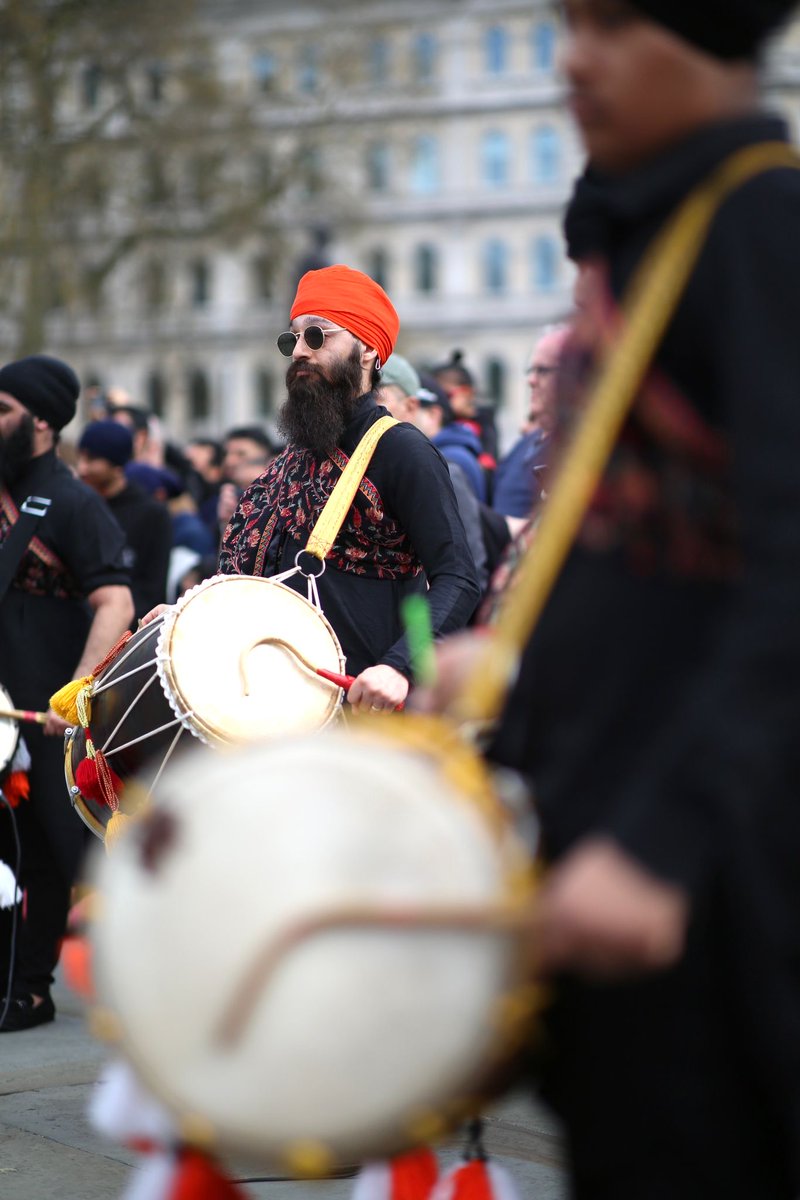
35	506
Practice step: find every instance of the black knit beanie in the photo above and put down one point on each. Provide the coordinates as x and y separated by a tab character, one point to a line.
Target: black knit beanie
727	29
48	387
109	440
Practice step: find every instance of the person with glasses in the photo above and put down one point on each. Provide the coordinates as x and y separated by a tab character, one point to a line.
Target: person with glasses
403	533
517	483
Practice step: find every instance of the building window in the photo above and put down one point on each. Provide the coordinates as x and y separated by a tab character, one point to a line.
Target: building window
310	170
156	188
155	392
91	83
426	269
545	155
495	50
155	284
495	267
378	167
543	47
425	164
544	265
155	79
200	282
424	57
378	267
263	276
265	71
308	69
496	382
199	395
265	392
379	61
495	159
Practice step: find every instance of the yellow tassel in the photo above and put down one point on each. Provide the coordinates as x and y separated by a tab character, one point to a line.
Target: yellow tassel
64	702
115	828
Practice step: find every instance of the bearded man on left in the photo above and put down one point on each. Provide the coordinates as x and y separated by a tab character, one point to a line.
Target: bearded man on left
65	604
403	532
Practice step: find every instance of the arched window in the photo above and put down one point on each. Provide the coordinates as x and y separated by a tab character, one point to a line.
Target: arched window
378	267
265	71
308	69
495	159
377	163
425	164
495	50
426	269
545	155
424	57
200	283
91	83
262	270
544	263
199	395
265	392
379	61
543	46
495	267
155	392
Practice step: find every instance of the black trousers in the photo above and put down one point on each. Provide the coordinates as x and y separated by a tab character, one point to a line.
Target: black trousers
53	841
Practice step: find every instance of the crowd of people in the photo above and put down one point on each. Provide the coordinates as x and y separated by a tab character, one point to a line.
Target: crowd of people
655	707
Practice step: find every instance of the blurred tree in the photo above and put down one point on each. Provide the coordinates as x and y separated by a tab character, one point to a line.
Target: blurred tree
117	134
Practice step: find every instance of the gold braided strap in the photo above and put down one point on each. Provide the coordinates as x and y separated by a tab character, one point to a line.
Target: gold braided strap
648	306
330	520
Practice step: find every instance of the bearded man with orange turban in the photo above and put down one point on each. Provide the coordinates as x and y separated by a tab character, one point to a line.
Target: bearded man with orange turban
402	534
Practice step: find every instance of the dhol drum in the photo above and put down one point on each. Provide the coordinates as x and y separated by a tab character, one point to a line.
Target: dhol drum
311	952
9	734
227	664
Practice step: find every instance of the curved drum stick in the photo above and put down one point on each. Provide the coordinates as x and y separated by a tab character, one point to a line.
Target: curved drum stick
342	681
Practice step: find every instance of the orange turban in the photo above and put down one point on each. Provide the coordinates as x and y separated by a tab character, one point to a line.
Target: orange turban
352	300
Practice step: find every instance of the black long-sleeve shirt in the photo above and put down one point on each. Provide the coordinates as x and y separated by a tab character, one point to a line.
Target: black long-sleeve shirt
413	483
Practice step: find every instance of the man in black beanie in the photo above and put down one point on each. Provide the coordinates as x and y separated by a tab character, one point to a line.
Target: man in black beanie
657	708
68	601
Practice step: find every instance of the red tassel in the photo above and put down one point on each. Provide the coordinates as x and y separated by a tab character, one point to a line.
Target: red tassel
76	963
413	1175
17	787
198	1178
409	1177
113	652
96	781
467	1182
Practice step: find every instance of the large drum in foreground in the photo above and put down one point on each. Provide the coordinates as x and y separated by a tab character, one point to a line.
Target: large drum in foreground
308	950
223	665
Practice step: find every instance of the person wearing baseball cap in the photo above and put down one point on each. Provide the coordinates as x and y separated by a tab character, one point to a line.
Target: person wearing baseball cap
657	707
402	533
66	604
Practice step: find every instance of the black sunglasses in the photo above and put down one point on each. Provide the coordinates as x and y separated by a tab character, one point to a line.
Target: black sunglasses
314	337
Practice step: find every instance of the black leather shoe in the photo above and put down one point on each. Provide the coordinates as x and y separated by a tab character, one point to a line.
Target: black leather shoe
23	1013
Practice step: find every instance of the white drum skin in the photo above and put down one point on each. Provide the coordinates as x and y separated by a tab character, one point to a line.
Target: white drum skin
9	732
359	1038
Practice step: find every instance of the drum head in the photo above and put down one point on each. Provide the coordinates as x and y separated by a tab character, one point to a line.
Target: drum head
230	685
356	1041
9	733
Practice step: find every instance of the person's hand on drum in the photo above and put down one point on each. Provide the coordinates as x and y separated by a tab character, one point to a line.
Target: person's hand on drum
54	726
377	689
153	614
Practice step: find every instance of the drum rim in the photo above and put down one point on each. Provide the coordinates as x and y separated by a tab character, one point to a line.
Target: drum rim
195	724
76	798
442	1113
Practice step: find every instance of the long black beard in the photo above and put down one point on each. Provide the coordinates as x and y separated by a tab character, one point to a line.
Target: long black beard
319	406
16	450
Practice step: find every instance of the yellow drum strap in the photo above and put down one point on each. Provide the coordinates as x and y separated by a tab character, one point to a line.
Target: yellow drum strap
338	504
648	306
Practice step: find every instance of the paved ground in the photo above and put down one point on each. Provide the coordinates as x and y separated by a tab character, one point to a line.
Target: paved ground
48	1151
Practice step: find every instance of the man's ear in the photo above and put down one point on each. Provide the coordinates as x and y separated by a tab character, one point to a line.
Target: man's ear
368	358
